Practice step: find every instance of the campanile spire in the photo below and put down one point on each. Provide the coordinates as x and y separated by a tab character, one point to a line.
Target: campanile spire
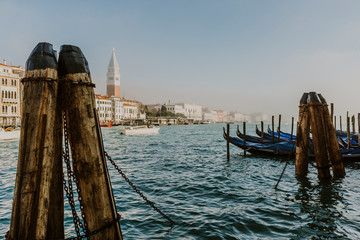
113	77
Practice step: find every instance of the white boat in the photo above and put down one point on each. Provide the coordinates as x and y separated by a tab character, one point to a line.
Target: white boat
139	130
9	134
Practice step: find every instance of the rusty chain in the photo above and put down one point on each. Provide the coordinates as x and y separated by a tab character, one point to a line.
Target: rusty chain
69	188
137	190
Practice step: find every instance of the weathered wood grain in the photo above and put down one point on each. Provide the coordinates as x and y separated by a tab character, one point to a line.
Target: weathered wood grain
38	209
302	138
88	161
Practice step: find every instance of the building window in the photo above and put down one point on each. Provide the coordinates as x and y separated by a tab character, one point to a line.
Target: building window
15	95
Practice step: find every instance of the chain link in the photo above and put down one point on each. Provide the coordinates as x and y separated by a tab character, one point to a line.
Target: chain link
87	235
68	187
137	190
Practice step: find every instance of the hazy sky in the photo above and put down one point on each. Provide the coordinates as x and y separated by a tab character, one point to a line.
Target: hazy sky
249	56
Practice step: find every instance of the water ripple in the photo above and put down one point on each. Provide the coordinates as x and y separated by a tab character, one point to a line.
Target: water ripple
184	171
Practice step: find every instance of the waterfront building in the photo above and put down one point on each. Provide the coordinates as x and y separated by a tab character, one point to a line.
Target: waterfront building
113	77
10	97
117	110
173	108
220	116
104	107
192	111
130	110
209	115
258	117
240	117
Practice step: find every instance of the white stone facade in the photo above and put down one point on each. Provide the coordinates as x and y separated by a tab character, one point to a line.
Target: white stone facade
130	111
10	97
210	115
104	107
117	110
192	111
173	108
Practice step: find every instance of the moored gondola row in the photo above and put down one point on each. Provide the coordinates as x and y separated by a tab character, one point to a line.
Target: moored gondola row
284	144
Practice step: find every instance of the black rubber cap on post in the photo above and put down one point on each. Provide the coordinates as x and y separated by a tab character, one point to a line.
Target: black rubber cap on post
313	98
72	60
42	57
304	98
322	99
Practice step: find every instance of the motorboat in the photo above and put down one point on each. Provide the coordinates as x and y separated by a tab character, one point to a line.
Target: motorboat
139	130
9	134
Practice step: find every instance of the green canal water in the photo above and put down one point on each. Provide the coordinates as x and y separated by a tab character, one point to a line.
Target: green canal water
184	171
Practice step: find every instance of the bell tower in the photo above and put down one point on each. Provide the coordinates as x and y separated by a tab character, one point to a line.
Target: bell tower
113	77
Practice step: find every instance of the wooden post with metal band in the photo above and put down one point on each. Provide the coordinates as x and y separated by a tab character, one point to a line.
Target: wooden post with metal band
316	112
87	151
38	206
302	138
333	147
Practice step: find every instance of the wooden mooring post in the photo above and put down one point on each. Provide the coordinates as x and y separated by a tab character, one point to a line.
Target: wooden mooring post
279	130
38	206
333	147
228	141
292	128
348	131
302	138
273	130
340	126
244	130
262	132
353	124
326	147
359	129
316	111
85	138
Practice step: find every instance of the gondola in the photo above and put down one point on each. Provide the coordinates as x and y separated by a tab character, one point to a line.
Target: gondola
286	147
269	136
282	134
278	148
254	139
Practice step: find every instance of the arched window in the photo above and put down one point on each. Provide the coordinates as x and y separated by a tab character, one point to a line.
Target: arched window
5	94
14	94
